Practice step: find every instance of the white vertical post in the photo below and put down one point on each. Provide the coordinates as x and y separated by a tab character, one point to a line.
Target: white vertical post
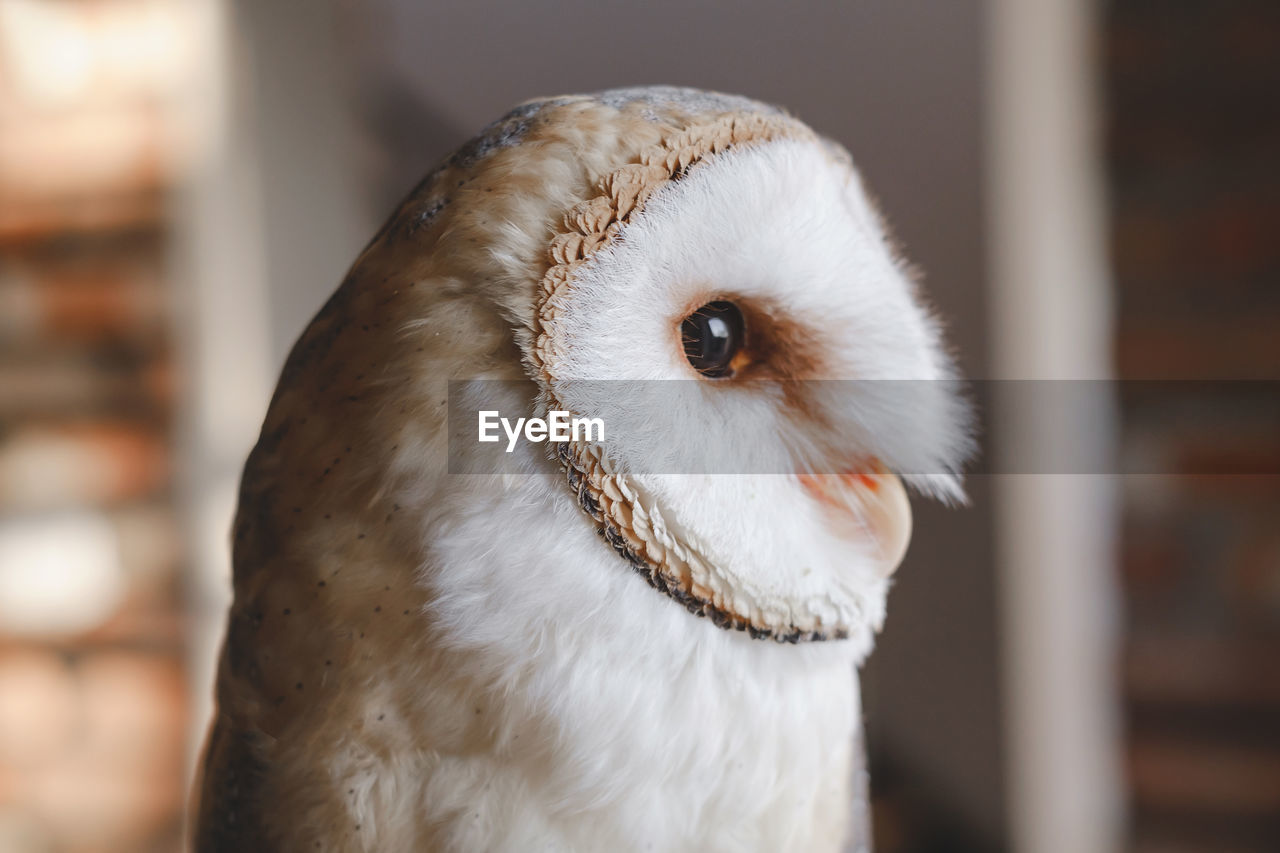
1050	315
218	265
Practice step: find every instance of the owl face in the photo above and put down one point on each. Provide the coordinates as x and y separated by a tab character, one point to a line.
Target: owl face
730	308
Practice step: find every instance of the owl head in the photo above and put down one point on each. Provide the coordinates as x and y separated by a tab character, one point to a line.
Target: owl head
705	275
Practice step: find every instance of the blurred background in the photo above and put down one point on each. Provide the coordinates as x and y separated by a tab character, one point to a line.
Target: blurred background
1092	190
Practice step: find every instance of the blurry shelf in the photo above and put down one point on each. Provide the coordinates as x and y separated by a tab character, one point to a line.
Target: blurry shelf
101	297
24	222
1203	670
48	385
1179	775
46	466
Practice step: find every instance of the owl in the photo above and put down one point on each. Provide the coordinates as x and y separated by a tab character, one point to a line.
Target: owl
642	639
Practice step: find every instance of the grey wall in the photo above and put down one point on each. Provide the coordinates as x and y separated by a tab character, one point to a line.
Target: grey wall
897	81
292	99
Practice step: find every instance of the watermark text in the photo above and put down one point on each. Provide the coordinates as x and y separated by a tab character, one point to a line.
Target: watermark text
558	426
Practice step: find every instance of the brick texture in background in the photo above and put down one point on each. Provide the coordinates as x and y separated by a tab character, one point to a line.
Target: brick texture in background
1193	91
93	710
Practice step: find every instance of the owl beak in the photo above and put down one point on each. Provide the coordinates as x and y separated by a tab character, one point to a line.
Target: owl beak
870	504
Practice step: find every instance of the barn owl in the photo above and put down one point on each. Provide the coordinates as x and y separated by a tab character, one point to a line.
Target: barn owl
597	644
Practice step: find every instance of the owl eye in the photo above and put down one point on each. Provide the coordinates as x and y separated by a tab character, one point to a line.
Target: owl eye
712	336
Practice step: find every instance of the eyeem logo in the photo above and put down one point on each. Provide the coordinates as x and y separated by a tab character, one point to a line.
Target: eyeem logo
558	426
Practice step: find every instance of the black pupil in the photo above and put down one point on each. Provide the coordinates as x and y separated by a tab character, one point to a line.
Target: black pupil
712	336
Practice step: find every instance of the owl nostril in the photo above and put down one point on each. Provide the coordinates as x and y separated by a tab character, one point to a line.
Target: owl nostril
712	336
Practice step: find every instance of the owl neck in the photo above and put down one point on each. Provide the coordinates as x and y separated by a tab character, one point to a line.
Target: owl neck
651	710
